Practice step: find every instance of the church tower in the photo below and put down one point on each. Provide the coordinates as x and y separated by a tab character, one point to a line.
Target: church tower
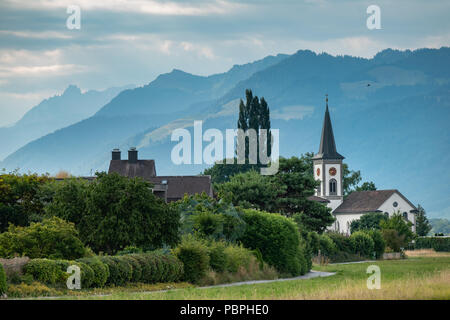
328	165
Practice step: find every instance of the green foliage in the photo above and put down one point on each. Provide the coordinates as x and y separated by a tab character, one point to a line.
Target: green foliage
69	200
341	241
117	212
51	238
368	221
326	245
22	199
276	237
136	269
208	218
252	190
436	243
3	285
44	270
217	256
393	239
285	192
237	257
100	269
362	243
366	186
423	226
194	255
403	228
378	242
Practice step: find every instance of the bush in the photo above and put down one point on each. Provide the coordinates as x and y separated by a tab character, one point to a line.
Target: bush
326	245
362	243
277	238
100	269
45	271
436	243
237	257
3	285
53	238
341	241
393	240
378	242
194	255
217	256
136	273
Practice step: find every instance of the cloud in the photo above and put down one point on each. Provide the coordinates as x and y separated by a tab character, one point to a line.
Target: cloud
292	112
152	7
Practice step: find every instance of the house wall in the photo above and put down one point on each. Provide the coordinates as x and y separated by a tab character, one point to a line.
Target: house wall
343	221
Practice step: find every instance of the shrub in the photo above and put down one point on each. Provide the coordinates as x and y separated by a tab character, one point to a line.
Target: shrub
378	242
276	237
393	240
136	273
100	269
341	241
194	255
53	238
114	274
368	221
237	257
403	228
44	270
436	243
3	285
362	243
326	245
217	256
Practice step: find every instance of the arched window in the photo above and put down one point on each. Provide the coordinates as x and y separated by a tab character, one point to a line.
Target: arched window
405	215
333	187
386	214
337	226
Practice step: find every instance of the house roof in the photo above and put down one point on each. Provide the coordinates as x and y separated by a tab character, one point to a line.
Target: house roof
367	201
142	168
177	186
327	149
318	199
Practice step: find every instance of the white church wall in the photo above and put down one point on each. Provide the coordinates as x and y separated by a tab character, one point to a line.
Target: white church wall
343	221
318	177
402	206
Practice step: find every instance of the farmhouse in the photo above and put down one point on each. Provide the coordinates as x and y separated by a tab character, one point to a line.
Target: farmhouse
328	170
170	188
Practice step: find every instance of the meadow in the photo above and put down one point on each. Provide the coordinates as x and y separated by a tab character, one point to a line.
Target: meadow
424	275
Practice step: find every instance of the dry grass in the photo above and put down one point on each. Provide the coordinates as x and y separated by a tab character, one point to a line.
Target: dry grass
426	253
436	286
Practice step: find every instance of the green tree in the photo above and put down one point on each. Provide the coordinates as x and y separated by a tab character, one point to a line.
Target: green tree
368	221
366	186
51	238
21	199
350	179
423	226
252	190
398	223
123	212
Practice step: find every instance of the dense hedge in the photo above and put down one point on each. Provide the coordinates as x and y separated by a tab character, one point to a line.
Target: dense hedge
109	270
362	243
278	239
436	243
3	285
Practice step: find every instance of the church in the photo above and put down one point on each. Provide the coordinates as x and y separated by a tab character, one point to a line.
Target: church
327	165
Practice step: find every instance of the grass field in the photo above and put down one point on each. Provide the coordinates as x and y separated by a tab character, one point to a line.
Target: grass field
420	277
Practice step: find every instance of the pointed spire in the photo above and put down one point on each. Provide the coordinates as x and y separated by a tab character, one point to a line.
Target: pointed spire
327	149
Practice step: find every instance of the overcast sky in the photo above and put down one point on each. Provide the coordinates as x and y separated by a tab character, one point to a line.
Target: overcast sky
130	42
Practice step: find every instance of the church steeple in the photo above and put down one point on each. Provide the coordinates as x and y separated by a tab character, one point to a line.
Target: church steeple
327	149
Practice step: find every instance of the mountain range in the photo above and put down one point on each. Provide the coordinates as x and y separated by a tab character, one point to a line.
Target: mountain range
390	118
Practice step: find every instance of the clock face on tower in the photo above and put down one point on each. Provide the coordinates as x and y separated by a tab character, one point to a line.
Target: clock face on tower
332	171
318	171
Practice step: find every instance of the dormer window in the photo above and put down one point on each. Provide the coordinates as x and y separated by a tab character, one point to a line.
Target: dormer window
333	187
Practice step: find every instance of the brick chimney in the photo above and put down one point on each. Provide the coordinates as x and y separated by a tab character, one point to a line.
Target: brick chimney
115	154
132	155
